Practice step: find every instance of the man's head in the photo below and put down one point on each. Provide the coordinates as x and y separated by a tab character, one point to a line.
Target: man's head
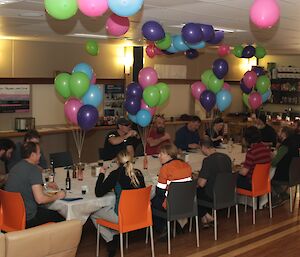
32	136
252	135
207	146
284	133
159	124
167	152
260	121
218	124
31	151
124	125
7	147
194	123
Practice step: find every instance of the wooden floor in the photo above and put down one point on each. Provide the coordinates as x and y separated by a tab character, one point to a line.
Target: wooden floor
279	236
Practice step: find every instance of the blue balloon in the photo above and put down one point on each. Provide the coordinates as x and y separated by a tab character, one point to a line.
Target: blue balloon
94	96
132	118
143	118
199	45
125	8
172	49
85	68
265	97
224	99
179	44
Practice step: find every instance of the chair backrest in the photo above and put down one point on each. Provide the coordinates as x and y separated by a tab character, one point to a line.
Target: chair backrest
135	209
13	211
225	190
294	172
62	159
181	200
2	245
54	240
261	179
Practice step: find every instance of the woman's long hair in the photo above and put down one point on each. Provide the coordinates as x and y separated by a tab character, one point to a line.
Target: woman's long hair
125	159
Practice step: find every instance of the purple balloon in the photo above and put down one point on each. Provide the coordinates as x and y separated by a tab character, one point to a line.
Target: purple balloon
219	36
134	89
245	89
87	117
208	32
191	33
220	68
191	53
132	105
248	52
153	31
208	100
258	70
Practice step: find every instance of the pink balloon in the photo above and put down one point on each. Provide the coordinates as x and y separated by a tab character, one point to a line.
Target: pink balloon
94	78
157	51
197	89
150	51
249	79
226	86
147	77
255	100
144	106
223	50
264	13
117	25
71	109
93	8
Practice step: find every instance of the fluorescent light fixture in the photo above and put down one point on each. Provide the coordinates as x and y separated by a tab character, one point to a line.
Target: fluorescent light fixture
89	35
2	2
226	30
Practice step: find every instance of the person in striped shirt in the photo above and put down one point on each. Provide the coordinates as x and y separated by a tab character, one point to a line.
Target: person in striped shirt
258	153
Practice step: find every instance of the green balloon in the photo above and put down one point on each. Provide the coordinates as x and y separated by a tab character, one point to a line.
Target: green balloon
263	84
246	100
260	52
61	9
164	92
151	96
215	84
164	43
238	51
79	84
62	84
206	76
92	47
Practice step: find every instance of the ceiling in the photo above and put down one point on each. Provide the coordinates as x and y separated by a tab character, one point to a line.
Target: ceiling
17	21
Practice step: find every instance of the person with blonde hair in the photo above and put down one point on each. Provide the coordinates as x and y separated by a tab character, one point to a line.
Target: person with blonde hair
124	177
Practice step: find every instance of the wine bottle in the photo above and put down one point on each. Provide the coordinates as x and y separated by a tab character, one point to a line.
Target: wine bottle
68	181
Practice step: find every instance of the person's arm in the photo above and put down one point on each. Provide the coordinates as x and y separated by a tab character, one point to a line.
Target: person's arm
282	151
248	163
41	198
193	146
202	182
105	186
154	142
196	143
244	171
204	173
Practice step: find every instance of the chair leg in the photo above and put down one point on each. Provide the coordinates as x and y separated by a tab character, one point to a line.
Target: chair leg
126	240
121	245
147	232
197	231
152	241
191	224
270	205
237	219
215	224
169	237
98	237
246	203
228	212
291	199
174	229
253	209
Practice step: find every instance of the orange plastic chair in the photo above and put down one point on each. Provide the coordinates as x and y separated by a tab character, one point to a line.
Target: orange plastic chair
261	185
12	209
134	213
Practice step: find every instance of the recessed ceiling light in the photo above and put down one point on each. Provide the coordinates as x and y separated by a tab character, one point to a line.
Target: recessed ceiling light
2	2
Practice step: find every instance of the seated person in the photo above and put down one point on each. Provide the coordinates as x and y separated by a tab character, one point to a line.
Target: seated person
124	138
268	134
26	178
157	136
125	177
216	132
188	137
7	147
297	134
258	153
30	136
172	170
213	164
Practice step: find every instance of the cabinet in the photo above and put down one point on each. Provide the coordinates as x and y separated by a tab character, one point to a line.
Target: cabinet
285	91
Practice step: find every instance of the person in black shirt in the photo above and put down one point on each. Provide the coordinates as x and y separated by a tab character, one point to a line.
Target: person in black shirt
124	138
7	147
216	132
268	134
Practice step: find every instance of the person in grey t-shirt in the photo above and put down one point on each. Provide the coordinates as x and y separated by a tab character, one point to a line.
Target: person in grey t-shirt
26	178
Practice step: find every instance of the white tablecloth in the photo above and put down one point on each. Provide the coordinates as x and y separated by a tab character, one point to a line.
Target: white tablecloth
81	209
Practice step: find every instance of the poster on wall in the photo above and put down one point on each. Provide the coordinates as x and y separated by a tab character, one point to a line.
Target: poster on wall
14	98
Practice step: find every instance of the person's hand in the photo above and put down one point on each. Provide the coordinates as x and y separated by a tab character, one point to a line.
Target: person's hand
193	146
52	185
166	137
219	138
102	170
131	133
61	194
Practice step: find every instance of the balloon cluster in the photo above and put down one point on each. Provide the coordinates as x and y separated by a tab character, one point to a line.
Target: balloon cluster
193	36
212	90
142	98
249	51
83	96
256	87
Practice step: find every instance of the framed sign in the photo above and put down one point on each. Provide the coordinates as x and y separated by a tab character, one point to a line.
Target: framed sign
14	98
